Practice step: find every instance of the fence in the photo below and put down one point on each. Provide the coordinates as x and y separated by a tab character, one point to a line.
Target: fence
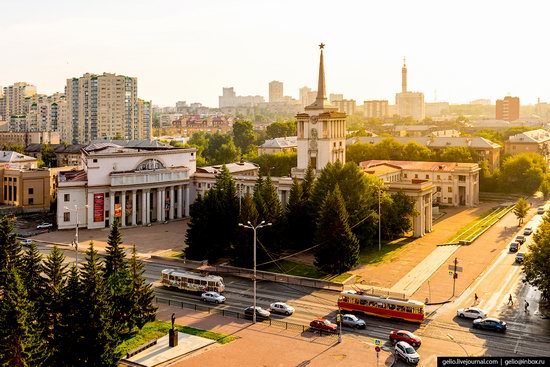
238	315
260	274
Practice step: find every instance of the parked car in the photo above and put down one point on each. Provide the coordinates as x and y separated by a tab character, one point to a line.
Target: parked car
540	210
514	247
323	324
527	231
44	225
214	297
519	257
282	308
489	324
471	313
405	336
26	242
407	353
261	314
520	239
353	321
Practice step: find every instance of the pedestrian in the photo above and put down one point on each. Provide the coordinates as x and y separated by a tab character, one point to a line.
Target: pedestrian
475	297
510	300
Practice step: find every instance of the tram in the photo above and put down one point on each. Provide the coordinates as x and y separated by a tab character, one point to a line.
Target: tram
380	306
193	282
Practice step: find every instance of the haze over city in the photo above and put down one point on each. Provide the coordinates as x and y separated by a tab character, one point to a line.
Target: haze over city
190	50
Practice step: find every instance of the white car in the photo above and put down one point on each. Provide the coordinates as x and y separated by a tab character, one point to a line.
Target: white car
471	313
282	308
26	242
407	353
527	231
353	321
214	297
44	225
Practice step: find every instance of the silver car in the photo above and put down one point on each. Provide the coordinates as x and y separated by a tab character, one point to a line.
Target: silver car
353	321
407	353
214	297
282	308
471	313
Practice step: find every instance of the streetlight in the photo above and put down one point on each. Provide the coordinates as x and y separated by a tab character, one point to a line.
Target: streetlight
379	223
76	209
457	343
254	228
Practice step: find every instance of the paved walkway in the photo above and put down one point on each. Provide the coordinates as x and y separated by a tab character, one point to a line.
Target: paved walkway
261	345
390	272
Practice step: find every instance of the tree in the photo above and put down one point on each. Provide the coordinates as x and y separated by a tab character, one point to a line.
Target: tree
115	257
270	210
397	213
545	188
295	212
10	249
521	209
20	343
198	233
360	152
338	248
100	338
278	164
243	135
143	295
47	155
523	173
221	149
413	151
73	325
456	154
242	248
281	129
535	264
54	279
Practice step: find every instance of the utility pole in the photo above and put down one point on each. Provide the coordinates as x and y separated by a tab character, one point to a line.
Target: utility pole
339	320
379	223
455	275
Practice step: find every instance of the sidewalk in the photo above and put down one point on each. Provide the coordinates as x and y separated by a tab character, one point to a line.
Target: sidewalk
269	346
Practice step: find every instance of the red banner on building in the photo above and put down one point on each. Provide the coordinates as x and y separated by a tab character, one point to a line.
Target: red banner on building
99	207
118	210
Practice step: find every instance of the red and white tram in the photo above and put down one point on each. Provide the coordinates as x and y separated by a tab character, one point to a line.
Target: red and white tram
408	310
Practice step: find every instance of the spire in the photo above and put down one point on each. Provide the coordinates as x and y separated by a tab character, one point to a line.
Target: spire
321	102
404	77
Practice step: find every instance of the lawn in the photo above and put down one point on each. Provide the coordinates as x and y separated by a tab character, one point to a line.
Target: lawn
304	270
485	220
371	255
157	329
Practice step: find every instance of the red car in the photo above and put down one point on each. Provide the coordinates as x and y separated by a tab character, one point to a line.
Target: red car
405	336
323	324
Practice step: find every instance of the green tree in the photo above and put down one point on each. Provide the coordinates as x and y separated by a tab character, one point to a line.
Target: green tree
535	264
101	336
523	173
10	248
14	148
270	210
221	149
295	211
47	155
338	249
243	135
198	233
521	209
545	188
115	259
51	306
242	249
143	295
281	129
415	152
456	154
360	152
73	325
277	164
20	344
398	211
31	270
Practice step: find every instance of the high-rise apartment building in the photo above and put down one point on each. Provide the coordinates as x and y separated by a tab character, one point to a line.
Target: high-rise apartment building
145	120
333	97
375	108
346	106
230	99
507	109
275	91
409	104
13	101
102	107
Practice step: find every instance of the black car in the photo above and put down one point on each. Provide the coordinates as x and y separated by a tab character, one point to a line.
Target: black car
261	314
514	247
489	324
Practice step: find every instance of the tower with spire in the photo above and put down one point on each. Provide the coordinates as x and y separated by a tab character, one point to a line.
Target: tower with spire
409	104
404	77
321	130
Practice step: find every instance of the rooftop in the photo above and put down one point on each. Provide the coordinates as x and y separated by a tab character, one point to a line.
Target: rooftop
287	142
72	176
8	156
435	142
418	165
533	136
232	167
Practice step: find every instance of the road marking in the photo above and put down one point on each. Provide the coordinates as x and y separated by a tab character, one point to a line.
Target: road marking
516	348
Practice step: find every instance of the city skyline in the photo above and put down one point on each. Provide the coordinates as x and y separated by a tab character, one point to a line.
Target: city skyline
175	54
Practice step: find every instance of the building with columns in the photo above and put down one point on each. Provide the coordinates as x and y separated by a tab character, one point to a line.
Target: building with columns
137	185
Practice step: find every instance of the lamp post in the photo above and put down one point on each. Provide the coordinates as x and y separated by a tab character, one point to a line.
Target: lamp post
457	343
76	209
379	222
254	228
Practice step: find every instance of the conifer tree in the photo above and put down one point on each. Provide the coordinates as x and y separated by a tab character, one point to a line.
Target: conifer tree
51	306
73	325
242	250
142	295
197	233
20	344
338	248
101	335
258	197
31	270
10	248
116	256
294	214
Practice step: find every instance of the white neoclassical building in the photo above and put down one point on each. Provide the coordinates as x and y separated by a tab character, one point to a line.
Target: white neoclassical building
138	185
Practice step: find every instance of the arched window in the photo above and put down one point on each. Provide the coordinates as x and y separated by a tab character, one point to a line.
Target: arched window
149	165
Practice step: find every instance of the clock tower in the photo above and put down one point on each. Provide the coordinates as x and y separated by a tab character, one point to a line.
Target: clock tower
321	131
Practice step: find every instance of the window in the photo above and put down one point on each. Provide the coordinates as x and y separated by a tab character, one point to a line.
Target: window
404	175
438	177
438	188
15	179
31	201
449	189
427	177
450	200
67	197
415	175
94	160
462	178
31	191
66	217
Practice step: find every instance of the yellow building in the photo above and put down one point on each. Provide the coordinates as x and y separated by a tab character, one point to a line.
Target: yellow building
534	141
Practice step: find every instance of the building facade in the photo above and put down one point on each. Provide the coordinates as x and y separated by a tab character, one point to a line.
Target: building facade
136	185
12	103
102	107
278	145
375	109
409	104
27	138
145	120
507	109
275	91
534	141
230	99
346	106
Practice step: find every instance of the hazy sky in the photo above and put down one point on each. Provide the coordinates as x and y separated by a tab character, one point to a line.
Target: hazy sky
189	50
